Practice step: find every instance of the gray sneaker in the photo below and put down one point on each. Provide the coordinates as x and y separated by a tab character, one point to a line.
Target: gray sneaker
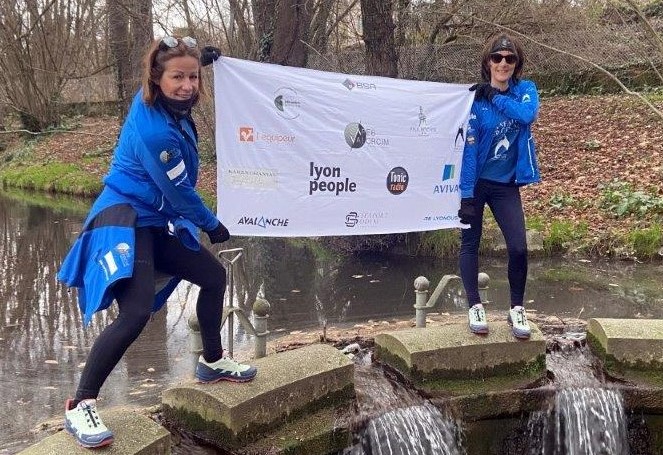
478	323
519	325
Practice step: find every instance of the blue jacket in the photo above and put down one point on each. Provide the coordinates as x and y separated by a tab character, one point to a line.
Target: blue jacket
513	111
150	183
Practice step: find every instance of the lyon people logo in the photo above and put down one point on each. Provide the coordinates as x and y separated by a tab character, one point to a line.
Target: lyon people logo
397	180
355	135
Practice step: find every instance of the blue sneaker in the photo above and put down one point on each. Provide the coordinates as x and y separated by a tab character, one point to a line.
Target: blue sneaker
85	425
519	325
224	369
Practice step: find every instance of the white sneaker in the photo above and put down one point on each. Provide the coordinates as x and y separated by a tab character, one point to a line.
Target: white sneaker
85	425
518	320
224	369
478	323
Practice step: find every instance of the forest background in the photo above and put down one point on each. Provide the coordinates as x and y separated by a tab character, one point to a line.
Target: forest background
68	69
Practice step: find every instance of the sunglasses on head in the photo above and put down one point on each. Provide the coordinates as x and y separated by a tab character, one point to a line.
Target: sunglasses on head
169	42
497	58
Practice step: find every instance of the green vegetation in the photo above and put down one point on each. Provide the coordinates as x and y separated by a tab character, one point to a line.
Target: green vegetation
621	199
58	177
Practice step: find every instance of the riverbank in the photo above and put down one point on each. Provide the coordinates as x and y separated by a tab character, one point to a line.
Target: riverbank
601	160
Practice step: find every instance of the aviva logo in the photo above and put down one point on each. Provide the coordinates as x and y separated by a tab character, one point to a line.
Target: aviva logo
448	172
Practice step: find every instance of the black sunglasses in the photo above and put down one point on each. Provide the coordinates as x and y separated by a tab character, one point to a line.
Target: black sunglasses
497	58
169	42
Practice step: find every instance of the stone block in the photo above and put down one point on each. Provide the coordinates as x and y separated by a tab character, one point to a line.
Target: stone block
135	434
288	385
631	349
450	358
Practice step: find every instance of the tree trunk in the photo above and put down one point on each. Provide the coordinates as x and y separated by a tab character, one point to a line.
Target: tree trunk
264	12
378	31
291	32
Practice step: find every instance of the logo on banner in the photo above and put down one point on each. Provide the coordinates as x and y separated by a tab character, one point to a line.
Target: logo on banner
448	173
441	217
350	84
261	179
397	180
249	134
422	128
365	219
262	221
357	135
287	103
326	179
459	142
245	134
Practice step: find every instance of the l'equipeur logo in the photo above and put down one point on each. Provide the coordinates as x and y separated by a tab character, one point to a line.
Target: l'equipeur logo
249	134
287	103
263	222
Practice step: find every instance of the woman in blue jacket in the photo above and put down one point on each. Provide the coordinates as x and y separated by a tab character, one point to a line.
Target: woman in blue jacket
499	157
143	226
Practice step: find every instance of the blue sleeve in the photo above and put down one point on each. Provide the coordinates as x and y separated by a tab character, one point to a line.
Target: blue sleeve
167	168
468	170
524	109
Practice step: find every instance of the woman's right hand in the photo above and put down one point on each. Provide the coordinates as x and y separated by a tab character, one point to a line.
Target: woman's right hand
219	234
467	212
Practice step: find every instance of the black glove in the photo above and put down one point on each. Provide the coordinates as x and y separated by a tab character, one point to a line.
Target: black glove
484	91
219	234
209	54
467	212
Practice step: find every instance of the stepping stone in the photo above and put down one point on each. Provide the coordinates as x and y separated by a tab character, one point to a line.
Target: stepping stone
450	359
135	434
630	348
289	385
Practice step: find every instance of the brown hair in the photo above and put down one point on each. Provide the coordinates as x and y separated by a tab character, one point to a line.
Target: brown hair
501	41
154	65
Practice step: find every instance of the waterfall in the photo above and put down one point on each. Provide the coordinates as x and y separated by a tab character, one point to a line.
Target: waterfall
416	430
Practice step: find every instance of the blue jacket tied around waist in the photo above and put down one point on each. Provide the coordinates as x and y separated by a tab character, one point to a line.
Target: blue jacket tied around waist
151	182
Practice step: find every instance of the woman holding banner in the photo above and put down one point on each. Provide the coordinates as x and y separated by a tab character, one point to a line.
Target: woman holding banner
144	225
499	157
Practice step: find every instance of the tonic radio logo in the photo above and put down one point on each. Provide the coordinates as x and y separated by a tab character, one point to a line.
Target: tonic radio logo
246	134
355	135
397	180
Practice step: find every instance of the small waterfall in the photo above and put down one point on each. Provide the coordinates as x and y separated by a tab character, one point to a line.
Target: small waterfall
400	422
417	430
585	418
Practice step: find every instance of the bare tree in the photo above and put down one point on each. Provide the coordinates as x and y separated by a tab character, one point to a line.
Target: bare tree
378	32
129	37
291	32
42	45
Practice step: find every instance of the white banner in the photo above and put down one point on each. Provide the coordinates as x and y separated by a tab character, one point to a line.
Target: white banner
302	152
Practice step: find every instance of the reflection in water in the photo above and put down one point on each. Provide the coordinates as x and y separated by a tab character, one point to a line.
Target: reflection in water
42	341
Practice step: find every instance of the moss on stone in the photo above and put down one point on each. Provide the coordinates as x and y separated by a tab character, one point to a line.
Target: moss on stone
220	434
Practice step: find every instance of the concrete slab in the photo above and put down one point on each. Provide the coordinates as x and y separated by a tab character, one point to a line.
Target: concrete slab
450	358
288	385
135	434
630	348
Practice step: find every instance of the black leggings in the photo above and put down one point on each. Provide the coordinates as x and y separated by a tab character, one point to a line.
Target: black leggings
505	203
156	250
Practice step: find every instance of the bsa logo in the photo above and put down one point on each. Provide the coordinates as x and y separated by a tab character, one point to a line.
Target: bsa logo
246	134
350	84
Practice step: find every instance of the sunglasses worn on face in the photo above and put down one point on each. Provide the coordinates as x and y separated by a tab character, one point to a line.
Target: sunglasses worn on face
169	42
497	58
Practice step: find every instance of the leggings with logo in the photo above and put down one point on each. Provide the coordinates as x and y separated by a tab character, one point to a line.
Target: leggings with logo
505	203
156	250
